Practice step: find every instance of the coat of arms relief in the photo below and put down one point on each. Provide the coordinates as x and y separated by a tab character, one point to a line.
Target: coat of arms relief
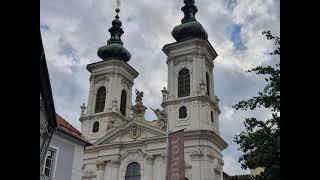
135	131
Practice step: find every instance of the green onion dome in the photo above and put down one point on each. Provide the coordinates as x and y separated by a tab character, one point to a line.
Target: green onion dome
114	48
189	27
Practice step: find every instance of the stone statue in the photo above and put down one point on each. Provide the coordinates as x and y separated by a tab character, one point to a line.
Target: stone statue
138	108
162	116
139	96
83	109
164	93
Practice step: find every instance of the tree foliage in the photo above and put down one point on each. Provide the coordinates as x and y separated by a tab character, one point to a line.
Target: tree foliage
260	141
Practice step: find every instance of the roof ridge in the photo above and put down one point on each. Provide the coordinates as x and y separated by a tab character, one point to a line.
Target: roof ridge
76	131
67	122
66	126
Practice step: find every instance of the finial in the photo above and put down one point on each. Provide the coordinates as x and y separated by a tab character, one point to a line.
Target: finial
190	27
118	8
83	108
114	48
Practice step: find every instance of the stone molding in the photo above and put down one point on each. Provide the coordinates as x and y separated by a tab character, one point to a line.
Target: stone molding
100	165
114	65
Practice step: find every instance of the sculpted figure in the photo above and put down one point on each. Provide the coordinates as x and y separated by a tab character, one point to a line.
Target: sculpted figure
162	116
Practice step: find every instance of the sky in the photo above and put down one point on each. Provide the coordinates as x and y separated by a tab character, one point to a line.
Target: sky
73	30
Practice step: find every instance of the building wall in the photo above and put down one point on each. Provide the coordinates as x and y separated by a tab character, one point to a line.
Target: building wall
109	163
68	160
77	162
46	130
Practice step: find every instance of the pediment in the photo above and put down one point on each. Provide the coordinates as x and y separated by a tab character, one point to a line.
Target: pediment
130	132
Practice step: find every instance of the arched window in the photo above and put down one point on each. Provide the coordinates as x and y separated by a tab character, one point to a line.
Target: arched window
95	127
183	83
212	117
182	112
100	99
133	171
123	101
208	84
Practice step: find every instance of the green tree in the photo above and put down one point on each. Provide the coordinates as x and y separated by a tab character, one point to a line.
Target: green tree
260	141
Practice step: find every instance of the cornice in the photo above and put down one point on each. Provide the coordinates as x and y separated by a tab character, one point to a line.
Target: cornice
192	98
120	64
200	44
103	114
208	134
121	145
189	135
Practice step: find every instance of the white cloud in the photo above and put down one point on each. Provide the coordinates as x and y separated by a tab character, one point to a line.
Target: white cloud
232	166
83	25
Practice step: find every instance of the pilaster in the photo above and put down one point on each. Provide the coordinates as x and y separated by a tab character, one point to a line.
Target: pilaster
100	170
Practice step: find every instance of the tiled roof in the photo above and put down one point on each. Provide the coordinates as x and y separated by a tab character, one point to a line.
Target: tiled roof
69	129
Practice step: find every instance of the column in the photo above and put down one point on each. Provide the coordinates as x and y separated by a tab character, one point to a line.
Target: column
115	164
156	168
100	170
212	84
163	166
196	75
148	172
205	169
90	96
171	79
112	89
196	158
108	171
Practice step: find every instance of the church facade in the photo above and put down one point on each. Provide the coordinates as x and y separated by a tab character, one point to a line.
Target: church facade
125	146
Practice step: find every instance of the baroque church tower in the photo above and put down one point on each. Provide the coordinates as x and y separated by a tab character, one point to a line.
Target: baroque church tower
190	100
111	82
125	146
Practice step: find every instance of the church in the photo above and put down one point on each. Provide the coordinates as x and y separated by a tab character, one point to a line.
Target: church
126	146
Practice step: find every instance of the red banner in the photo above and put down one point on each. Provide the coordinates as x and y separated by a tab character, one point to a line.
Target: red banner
175	164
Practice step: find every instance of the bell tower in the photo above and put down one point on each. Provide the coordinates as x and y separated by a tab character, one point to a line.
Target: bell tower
111	82
190	101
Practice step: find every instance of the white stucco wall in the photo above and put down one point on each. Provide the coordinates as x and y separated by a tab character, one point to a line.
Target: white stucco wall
68	157
77	162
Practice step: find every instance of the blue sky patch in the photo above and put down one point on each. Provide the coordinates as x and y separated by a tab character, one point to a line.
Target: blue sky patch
231	4
235	36
131	18
68	50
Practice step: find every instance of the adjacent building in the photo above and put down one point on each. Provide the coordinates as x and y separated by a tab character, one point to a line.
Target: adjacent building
48	122
63	160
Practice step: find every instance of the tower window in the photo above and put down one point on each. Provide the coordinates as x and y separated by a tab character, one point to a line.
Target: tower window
208	84
183	83
100	99
212	117
123	101
95	127
133	171
182	112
